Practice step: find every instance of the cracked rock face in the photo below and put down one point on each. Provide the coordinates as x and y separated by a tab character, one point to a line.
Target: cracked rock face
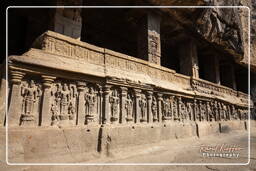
228	28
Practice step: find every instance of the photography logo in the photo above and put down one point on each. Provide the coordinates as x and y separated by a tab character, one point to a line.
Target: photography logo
221	150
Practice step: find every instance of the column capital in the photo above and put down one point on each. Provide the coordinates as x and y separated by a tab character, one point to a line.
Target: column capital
124	91
81	85
137	92
149	94
16	76
160	96
47	80
106	89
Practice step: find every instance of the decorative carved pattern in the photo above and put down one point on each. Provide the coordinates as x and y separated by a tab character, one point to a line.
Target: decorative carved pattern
30	93
63	107
153	48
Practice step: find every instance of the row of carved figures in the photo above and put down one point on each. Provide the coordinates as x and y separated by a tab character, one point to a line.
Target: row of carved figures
67	101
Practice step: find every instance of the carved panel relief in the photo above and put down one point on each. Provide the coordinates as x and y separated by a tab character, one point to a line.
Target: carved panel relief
114	105
31	93
167	108
91	101
154	109
129	107
143	108
64	103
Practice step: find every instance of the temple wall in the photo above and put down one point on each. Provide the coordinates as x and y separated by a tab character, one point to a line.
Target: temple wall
90	101
83	144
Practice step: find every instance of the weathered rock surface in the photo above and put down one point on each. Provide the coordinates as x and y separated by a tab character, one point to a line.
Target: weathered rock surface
225	28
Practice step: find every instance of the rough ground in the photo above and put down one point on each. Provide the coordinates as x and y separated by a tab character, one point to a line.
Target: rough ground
182	150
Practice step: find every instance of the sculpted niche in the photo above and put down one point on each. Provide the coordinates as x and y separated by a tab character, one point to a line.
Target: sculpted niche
31	93
63	107
91	101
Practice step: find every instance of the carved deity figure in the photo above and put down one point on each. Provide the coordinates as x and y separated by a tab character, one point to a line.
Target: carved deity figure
65	98
63	106
210	114
216	110
224	112
189	110
174	106
129	108
221	114
234	113
143	108
90	105
202	111
31	94
114	101
182	110
154	109
196	111
167	110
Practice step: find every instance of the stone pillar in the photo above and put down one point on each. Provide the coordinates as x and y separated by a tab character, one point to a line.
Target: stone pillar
3	94
14	111
67	21
228	74
80	120
195	109
100	104
137	93
159	106
189	59
212	69
106	107
46	103
149	43
149	108
123	101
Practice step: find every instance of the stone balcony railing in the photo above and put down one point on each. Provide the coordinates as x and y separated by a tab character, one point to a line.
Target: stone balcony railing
65	81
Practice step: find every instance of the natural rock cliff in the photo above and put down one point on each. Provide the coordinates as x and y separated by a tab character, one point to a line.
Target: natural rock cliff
225	28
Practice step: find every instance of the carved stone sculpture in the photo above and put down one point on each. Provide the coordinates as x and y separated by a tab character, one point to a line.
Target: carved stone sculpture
114	101
234	113
143	107
63	106
90	105
189	110
183	110
129	108
167	110
154	109
202	111
210	114
30	94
